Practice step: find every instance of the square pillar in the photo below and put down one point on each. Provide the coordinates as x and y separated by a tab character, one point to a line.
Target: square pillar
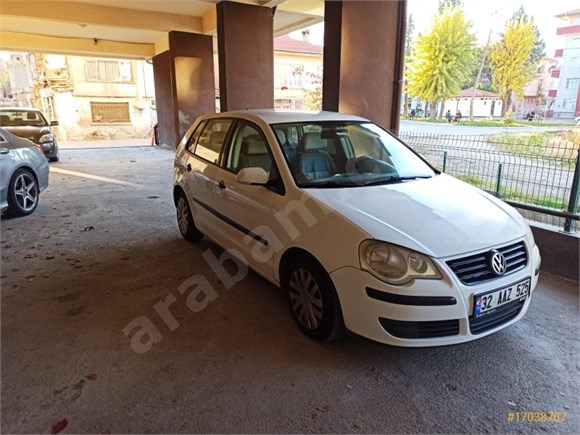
184	84
363	59
246	56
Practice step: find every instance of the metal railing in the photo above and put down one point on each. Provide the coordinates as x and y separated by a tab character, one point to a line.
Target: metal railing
538	176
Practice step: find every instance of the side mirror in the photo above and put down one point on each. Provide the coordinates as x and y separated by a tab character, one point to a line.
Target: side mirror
53	123
255	176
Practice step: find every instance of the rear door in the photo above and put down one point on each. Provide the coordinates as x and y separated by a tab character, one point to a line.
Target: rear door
6	165
200	166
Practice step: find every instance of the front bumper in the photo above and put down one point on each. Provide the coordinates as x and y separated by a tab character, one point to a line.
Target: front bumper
444	306
50	149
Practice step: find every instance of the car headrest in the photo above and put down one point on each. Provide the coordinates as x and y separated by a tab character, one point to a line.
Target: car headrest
281	136
312	141
31	116
254	144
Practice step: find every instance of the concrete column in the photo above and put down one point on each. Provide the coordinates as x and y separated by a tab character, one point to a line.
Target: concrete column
363	59
246	56
184	84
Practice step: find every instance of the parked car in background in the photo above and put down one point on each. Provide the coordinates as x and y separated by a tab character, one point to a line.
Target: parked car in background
23	174
361	232
31	124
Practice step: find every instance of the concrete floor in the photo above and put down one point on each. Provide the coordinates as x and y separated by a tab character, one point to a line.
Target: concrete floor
98	254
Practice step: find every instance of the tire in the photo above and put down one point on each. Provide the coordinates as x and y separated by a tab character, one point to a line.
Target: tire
23	193
54	159
320	318
185	222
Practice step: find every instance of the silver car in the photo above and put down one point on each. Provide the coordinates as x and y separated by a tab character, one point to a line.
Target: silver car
23	174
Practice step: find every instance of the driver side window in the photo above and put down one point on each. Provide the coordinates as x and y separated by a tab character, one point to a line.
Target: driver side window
248	150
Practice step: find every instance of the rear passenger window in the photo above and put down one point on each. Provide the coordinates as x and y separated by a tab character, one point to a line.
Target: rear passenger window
211	140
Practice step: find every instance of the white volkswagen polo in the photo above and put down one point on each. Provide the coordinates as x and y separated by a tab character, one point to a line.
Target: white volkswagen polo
361	232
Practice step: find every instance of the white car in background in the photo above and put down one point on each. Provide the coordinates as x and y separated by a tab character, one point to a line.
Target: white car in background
360	231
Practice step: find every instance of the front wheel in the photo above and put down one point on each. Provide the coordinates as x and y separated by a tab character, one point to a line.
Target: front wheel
313	299
185	222
22	193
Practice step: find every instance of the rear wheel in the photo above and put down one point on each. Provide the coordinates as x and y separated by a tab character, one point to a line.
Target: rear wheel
185	222
313	299
22	193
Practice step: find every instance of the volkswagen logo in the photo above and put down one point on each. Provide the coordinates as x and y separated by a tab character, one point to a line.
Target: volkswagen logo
497	263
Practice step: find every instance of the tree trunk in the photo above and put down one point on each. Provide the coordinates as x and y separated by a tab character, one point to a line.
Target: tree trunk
433	114
505	103
442	109
406	106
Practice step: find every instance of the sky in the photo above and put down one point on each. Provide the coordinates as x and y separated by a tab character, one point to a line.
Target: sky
480	12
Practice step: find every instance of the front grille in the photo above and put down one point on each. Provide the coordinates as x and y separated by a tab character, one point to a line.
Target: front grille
500	316
433	329
476	268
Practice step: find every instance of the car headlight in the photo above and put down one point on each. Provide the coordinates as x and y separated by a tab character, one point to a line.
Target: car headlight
46	138
395	264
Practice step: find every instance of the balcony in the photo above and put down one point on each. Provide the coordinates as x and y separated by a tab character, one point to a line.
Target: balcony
559	52
552	93
568	30
556	73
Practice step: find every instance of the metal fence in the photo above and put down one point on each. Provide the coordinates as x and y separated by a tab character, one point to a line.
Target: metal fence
539	176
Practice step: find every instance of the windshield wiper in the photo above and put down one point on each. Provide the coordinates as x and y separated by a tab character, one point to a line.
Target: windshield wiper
392	179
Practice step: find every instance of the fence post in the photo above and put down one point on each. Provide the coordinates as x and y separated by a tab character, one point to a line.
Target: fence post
444	160
498	184
570	225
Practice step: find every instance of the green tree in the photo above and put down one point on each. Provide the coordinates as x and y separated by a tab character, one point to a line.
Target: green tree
442	60
539	50
511	60
408	42
452	3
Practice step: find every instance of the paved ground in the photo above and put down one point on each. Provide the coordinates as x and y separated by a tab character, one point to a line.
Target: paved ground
99	253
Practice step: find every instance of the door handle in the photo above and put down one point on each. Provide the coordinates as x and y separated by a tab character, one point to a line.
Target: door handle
4	150
189	167
221	184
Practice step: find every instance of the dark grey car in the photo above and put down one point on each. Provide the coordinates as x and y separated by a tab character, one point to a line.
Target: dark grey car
23	174
30	124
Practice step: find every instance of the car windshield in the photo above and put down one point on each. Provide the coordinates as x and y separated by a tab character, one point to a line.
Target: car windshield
17	118
347	154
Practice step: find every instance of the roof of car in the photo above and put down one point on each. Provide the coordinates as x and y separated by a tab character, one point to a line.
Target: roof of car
275	116
24	109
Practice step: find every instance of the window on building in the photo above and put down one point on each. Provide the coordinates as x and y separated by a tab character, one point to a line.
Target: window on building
569	104
287	75
574	61
572	83
108	71
108	113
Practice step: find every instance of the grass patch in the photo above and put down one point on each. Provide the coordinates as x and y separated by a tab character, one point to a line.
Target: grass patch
499	123
562	144
516	195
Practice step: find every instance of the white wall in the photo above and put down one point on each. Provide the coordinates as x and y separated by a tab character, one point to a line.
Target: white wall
482	107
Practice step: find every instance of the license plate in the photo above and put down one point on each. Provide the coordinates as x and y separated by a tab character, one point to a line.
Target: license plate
486	303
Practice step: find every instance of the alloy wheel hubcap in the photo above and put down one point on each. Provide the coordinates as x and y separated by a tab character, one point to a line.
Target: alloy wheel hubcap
26	192
306	298
182	215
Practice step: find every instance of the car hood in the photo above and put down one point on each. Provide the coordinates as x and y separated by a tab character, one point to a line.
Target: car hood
440	216
29	132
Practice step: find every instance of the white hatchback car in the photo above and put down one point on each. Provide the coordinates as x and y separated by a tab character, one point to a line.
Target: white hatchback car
362	233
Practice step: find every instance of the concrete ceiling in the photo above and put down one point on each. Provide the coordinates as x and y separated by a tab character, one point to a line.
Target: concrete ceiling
126	28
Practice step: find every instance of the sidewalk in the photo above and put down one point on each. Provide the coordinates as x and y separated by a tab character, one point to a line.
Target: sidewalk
107	143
